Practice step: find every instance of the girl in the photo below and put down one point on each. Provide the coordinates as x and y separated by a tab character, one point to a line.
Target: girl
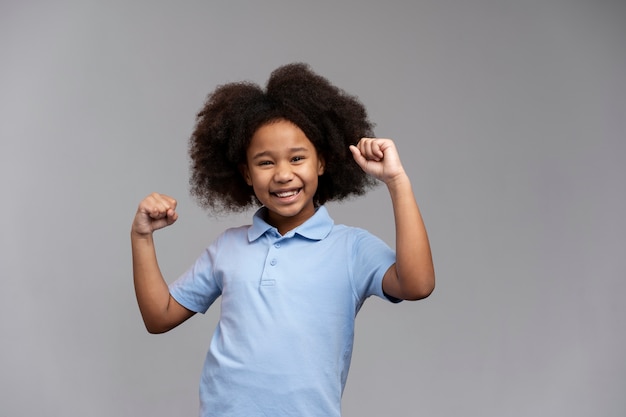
292	282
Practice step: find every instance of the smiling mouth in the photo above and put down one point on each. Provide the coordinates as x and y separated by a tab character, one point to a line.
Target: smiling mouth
286	194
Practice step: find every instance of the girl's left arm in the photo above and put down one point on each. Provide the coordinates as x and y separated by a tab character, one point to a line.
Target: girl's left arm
412	277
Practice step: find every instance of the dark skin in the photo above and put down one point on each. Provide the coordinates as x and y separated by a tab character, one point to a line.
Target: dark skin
276	171
233	112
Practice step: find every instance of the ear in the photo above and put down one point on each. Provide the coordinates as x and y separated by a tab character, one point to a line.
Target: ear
245	173
321	164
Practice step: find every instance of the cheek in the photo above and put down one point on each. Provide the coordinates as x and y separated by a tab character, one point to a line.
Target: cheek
314	177
258	178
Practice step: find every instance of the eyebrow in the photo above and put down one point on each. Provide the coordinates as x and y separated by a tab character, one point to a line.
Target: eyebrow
263	154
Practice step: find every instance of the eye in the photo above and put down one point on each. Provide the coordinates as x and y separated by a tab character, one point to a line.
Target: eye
297	158
264	163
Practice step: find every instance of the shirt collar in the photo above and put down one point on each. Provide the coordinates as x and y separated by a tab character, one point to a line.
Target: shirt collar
317	227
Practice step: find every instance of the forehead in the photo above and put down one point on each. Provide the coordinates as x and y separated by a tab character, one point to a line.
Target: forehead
279	135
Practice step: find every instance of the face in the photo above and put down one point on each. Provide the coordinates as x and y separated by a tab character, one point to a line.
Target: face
283	166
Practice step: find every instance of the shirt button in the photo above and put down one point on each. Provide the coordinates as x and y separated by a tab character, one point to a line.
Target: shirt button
273	262
277	245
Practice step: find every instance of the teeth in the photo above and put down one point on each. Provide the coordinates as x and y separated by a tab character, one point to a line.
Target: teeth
287	194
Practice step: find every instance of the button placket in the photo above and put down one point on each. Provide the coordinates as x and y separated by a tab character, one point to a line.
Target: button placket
268	278
272	254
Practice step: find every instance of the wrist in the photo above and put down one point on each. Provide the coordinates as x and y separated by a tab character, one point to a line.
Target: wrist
399	180
139	236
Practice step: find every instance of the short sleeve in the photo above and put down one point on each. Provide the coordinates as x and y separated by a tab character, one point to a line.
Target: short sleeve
197	288
371	258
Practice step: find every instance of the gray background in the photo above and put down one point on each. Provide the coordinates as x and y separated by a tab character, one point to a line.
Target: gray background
511	120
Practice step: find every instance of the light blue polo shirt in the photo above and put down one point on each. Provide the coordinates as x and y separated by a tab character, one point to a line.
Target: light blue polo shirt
283	343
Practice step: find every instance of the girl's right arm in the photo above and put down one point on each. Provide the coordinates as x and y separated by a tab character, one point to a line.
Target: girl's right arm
160	312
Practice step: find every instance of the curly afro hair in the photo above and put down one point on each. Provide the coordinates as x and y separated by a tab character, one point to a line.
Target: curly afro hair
330	118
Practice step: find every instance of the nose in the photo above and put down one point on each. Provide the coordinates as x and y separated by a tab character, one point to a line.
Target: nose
283	173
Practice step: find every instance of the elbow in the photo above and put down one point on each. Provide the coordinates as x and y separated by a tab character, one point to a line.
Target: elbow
156	328
419	294
420	291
